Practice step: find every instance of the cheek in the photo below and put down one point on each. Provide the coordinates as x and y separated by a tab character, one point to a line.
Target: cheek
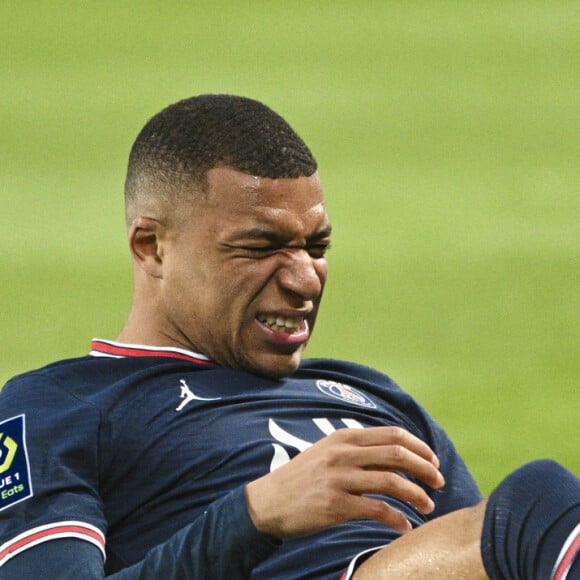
228	293
249	277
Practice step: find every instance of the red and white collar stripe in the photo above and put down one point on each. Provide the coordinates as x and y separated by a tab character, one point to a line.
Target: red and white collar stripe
108	348
54	531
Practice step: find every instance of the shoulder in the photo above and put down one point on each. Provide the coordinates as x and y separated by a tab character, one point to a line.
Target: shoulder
51	375
363	378
46	398
83	382
379	386
84	377
348	369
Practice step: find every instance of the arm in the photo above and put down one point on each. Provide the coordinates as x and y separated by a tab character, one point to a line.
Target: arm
222	543
321	487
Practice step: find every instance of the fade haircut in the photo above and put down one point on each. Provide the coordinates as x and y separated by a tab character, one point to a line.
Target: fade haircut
177	147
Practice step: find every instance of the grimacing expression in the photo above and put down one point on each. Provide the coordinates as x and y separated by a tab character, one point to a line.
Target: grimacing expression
245	269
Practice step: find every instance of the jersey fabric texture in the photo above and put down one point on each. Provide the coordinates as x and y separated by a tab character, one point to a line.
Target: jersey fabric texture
126	446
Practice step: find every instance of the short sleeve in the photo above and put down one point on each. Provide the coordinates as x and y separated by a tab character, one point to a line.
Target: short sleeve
49	448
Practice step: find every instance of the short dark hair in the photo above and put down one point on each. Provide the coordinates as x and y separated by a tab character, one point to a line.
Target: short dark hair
188	138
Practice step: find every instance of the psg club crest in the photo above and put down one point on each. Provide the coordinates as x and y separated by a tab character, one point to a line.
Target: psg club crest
344	393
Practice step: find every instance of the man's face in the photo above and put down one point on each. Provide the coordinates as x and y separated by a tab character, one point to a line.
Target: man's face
244	271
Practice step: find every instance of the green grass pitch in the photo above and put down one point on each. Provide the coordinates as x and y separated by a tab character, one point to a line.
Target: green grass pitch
447	138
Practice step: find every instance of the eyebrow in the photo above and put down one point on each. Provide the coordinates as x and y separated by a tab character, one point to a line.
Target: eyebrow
276	238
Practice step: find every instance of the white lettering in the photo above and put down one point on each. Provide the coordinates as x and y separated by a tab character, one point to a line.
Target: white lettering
281	455
5	481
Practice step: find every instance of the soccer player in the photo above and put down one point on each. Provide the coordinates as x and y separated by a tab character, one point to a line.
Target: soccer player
199	444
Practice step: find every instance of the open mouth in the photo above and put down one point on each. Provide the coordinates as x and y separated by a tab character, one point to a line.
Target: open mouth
282	324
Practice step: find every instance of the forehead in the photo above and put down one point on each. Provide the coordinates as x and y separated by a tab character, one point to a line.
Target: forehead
241	200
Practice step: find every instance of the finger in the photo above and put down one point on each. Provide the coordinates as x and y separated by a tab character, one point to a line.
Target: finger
392	436
388	448
380	511
393	485
396	458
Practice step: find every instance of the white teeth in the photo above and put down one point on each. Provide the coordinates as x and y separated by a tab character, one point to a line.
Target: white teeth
280	322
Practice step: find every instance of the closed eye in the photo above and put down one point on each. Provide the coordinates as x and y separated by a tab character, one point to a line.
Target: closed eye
318	250
262	243
256	251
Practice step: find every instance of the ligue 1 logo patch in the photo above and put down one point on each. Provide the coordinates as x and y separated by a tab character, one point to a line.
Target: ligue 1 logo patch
15	482
345	393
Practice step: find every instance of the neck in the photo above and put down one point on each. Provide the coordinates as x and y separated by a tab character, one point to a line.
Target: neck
144	324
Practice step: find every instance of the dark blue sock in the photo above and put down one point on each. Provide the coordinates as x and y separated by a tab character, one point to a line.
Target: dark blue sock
531	528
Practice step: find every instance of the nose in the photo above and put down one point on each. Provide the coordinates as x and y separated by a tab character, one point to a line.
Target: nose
302	274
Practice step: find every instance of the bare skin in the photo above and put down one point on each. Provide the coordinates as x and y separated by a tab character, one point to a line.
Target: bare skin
446	548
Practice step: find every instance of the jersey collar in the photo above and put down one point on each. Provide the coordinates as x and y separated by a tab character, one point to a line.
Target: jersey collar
108	348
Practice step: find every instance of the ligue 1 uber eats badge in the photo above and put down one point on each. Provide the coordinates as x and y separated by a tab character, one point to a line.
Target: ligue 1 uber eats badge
14	469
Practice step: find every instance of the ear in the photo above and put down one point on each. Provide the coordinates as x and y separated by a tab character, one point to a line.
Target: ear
145	235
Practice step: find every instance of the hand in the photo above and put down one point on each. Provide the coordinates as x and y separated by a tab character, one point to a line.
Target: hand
325	485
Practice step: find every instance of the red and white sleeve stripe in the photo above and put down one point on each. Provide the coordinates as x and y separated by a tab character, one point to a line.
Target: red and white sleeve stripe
54	531
568	554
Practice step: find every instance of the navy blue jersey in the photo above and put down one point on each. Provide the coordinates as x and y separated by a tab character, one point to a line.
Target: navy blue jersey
126	446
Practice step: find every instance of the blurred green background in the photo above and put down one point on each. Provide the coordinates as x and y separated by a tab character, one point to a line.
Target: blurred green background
447	138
